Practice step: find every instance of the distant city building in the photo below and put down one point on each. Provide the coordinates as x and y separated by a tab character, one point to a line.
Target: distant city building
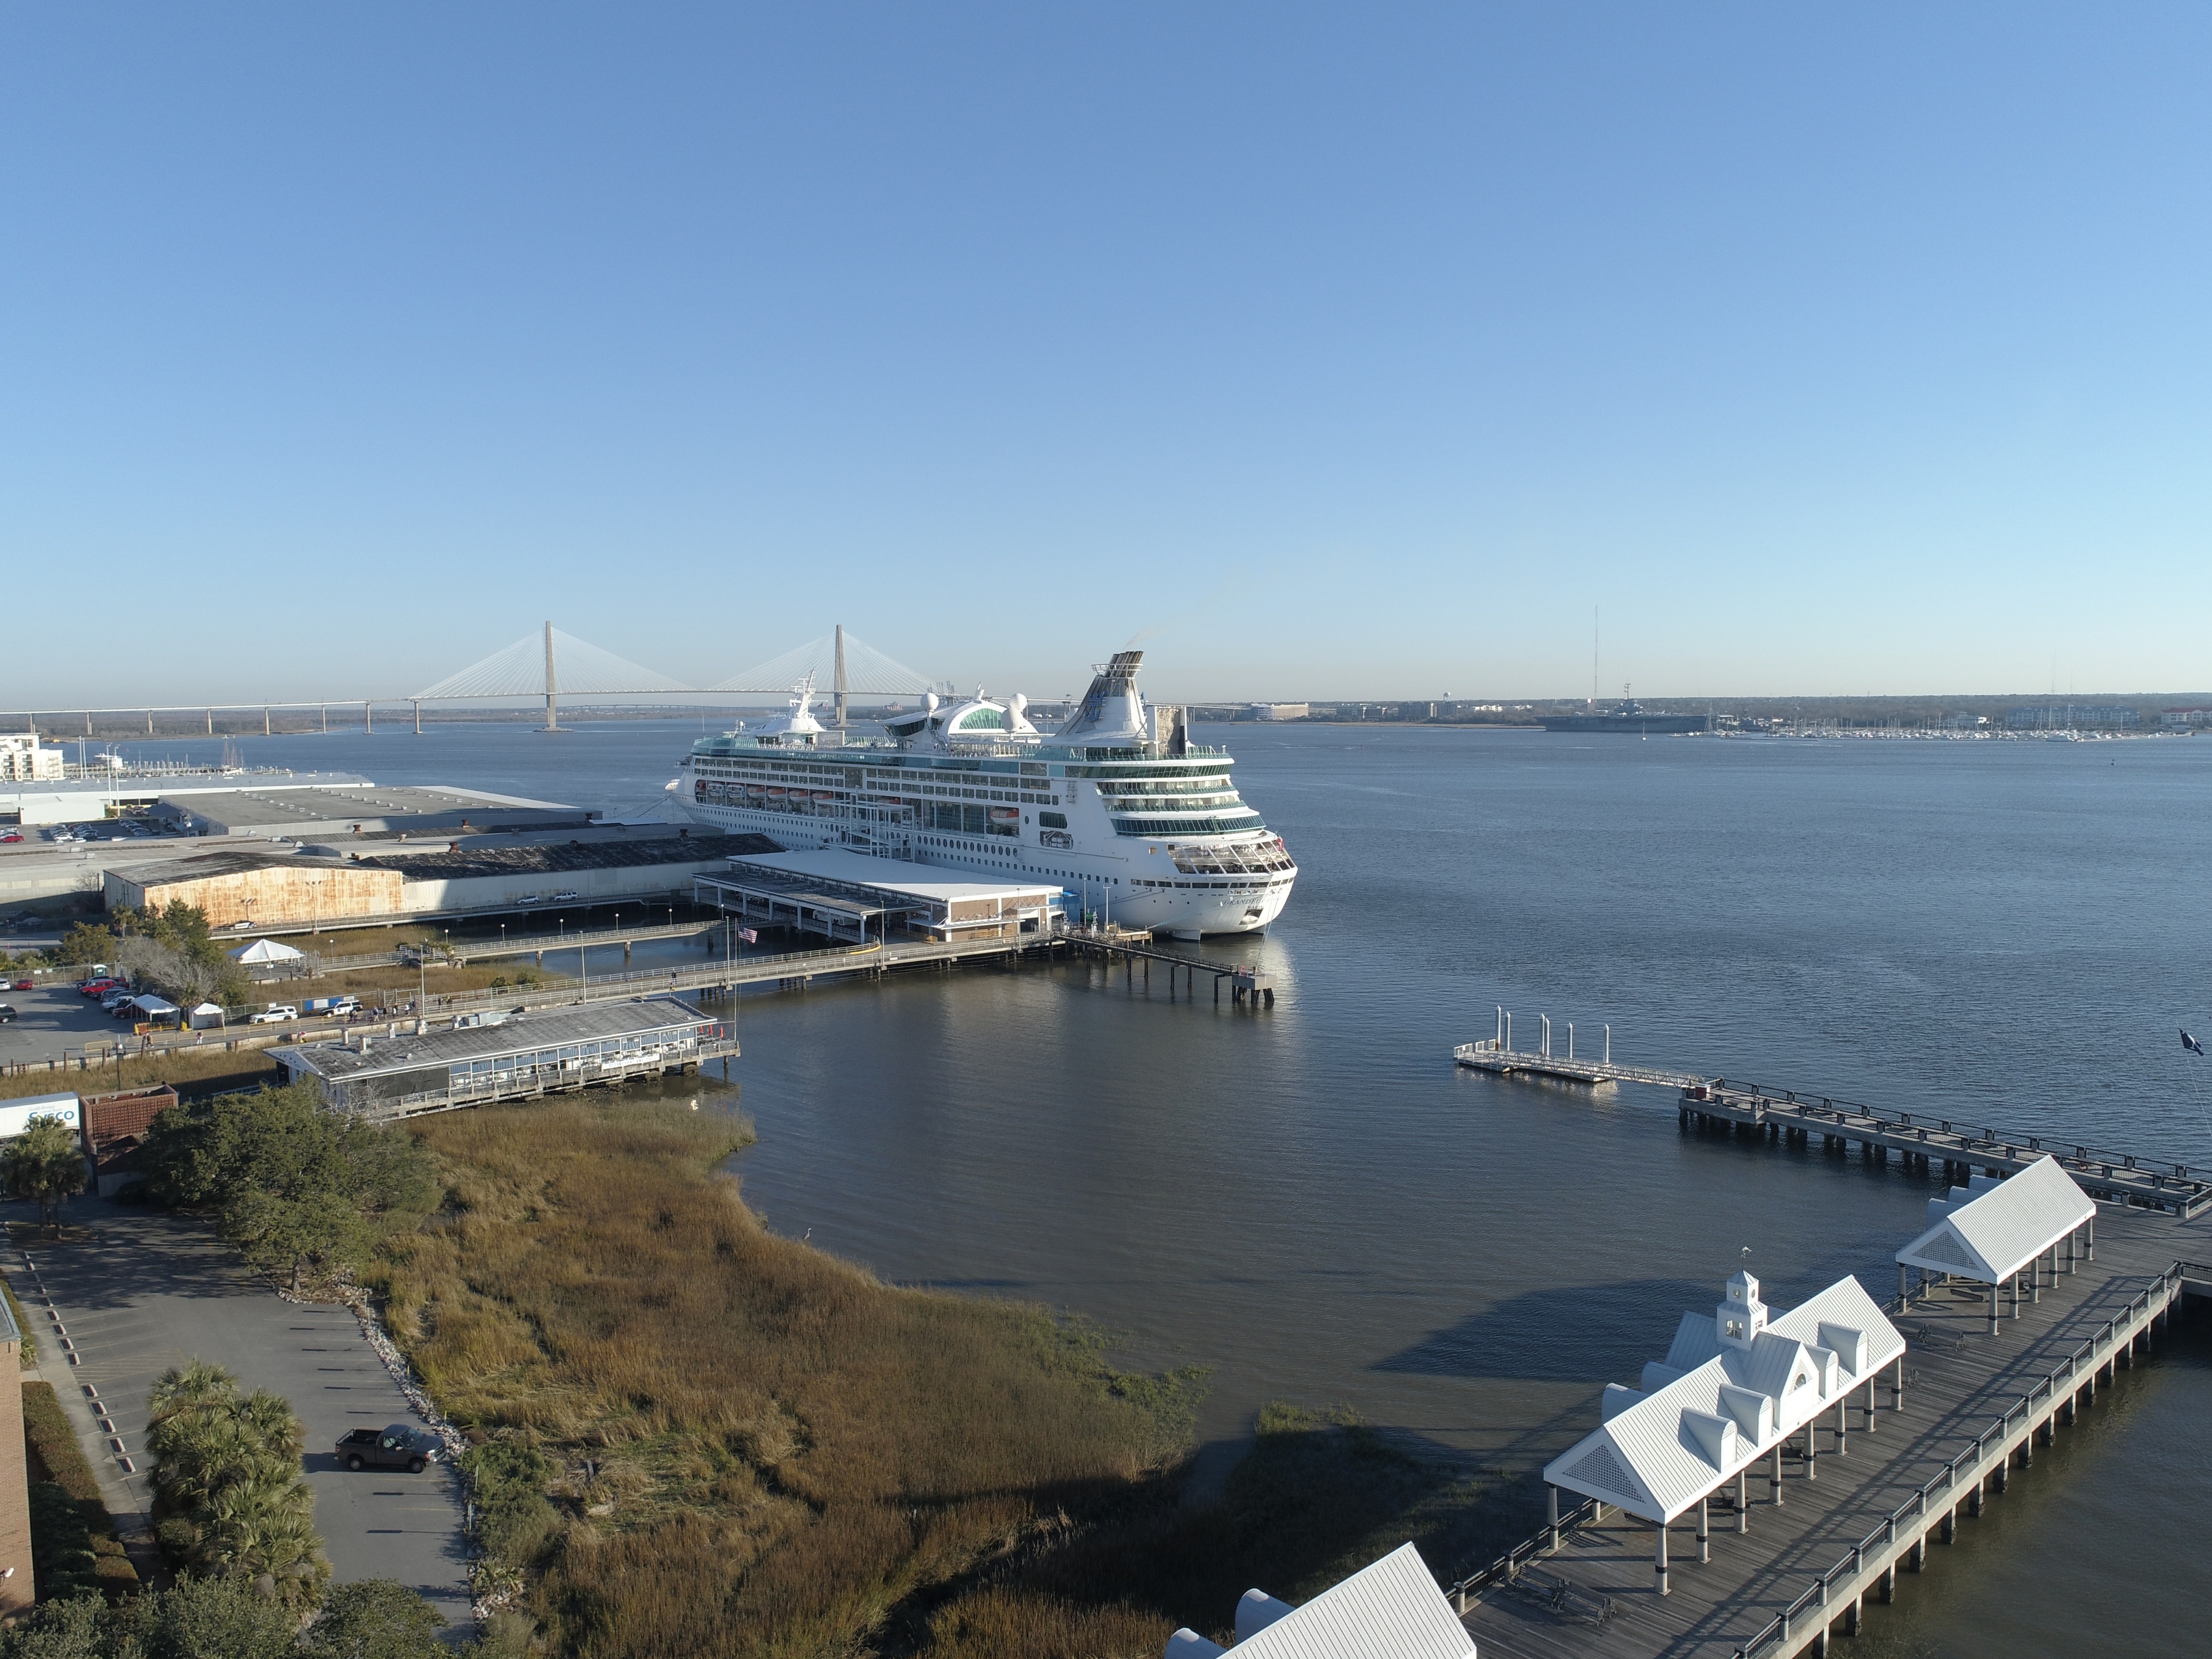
1281	711
22	761
2181	720
2057	716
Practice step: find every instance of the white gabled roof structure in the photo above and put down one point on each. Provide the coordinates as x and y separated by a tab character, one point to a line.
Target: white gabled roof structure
1992	1229
1389	1609
1732	1387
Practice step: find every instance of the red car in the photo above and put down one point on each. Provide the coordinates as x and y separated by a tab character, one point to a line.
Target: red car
97	987
25	984
11	834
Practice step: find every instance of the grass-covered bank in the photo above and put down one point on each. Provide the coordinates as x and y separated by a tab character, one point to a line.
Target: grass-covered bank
699	1438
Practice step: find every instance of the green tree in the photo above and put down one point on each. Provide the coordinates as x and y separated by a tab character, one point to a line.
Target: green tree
229	1619
230	1500
376	1618
44	1163
294	1187
85	943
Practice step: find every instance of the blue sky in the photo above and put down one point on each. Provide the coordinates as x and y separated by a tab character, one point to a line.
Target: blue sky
1321	351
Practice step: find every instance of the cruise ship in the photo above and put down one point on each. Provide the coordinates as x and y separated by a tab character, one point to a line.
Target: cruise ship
1143	828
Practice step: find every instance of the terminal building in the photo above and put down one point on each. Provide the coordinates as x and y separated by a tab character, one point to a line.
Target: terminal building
858	897
521	1058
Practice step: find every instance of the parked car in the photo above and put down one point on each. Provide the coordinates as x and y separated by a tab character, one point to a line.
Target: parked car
27	985
6	1012
99	987
10	835
400	1446
274	1014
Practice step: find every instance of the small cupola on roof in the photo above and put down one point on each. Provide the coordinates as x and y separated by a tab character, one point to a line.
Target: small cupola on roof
1738	1321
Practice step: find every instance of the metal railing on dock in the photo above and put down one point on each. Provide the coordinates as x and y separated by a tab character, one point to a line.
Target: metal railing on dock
2119	1178
1906	1529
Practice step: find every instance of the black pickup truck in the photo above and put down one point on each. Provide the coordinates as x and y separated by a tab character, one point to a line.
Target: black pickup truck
399	1447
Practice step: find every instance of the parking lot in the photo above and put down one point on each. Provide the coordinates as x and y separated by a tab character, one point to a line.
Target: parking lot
53	1020
151	1291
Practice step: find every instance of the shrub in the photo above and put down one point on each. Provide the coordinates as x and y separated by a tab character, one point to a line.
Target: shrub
63	1561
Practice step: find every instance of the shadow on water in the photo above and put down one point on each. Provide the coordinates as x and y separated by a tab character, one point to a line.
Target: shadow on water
1519	1339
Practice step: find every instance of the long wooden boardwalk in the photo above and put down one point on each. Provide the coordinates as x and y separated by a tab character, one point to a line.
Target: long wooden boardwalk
1975	1408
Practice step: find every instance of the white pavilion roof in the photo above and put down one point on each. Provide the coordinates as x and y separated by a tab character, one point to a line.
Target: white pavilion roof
1991	1236
1389	1609
1716	1407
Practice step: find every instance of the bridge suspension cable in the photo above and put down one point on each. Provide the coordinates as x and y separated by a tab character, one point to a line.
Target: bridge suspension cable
534	663
867	670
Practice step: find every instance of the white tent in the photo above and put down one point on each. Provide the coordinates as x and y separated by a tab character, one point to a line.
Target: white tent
1994	1230
1733	1387
1391	1607
266	950
206	1017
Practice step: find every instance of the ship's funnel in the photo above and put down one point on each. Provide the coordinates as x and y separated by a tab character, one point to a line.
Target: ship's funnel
1113	711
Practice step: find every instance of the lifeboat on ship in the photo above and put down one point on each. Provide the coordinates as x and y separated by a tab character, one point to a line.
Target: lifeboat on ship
775	794
825	797
1006	815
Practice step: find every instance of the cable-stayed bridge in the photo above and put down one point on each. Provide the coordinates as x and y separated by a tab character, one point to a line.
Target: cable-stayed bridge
552	663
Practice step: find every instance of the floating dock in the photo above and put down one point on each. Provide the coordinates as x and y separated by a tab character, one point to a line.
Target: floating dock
1848	1526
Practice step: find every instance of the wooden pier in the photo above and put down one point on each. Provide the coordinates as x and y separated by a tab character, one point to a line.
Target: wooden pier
1491	1055
1785	1118
1924	1141
1851	1518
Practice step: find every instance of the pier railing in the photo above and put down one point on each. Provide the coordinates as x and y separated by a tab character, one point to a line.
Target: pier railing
1939	1491
1984	1137
2127	1176
1507	1566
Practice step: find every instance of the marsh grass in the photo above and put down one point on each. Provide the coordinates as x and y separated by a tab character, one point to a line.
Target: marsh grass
697	1438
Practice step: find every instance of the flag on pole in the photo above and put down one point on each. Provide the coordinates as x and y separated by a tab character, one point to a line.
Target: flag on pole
749	936
2192	1043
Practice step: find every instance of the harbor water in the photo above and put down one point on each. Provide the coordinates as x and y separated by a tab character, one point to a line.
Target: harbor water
1311	1201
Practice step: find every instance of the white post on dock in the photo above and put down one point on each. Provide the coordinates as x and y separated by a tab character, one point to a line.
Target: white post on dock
1547	1019
1571	1039
1742	1502
1659	1560
1509	1043
1608	1045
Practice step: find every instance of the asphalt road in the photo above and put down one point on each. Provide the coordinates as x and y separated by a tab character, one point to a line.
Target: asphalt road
151	1291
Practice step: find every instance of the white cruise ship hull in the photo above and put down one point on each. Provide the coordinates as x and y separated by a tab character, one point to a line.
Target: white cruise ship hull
1182	906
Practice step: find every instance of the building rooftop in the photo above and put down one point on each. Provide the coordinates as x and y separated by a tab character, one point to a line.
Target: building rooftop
553	858
841	868
521	1033
1732	1386
1389	1609
1992	1229
226	862
271	808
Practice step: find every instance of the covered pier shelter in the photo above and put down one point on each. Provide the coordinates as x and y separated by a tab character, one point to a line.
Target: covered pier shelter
1733	1390
1997	1229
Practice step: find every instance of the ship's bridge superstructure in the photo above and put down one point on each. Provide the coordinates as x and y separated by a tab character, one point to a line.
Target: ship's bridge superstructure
1145	827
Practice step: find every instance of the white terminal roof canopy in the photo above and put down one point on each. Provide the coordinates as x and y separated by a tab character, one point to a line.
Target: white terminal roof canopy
1993	1228
1732	1386
1389	1609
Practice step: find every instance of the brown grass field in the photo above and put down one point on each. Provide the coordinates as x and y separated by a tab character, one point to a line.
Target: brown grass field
753	1448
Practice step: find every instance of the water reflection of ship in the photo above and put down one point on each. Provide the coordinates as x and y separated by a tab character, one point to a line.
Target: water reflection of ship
1629	716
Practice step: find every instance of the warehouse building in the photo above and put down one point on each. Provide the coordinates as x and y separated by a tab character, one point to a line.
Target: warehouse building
320	811
272	888
522	1058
